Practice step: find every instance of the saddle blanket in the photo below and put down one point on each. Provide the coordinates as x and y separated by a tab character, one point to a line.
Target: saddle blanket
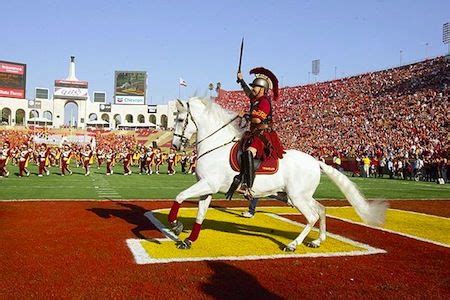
268	167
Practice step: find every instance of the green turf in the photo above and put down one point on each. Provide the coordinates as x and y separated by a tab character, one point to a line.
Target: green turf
117	186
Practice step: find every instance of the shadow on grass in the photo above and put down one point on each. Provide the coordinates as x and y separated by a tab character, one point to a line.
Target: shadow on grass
130	213
239	229
134	214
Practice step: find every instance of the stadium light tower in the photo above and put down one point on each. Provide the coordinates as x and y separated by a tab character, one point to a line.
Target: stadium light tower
446	35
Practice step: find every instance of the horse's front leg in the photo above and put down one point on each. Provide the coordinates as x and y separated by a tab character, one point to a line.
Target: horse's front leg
199	189
203	205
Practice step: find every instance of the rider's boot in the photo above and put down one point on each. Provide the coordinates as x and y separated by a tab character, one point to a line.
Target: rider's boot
238	178
249	175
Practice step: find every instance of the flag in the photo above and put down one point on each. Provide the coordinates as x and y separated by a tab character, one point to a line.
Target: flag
183	82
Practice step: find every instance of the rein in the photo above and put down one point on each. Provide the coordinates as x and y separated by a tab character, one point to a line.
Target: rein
185	140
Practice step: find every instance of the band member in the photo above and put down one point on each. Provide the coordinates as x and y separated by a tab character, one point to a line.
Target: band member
184	161
5	154
42	156
14	155
158	160
136	157
260	141
87	155
127	157
171	162
24	157
149	156
66	155
110	157
100	157
76	155
142	161
55	156
192	162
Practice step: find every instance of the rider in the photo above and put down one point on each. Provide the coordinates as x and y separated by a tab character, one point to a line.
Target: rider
260	141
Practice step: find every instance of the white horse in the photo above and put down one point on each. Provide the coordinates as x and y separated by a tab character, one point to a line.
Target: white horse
297	177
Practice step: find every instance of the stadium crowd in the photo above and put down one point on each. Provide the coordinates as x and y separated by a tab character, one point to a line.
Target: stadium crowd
392	122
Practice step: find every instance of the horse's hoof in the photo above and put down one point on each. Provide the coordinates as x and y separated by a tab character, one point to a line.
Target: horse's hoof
177	227
312	245
289	249
186	244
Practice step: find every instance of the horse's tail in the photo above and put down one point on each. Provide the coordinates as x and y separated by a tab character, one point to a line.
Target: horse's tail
372	213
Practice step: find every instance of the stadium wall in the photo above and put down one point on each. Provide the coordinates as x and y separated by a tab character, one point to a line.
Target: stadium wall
85	108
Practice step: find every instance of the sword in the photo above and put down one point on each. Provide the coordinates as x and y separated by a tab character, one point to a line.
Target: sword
240	57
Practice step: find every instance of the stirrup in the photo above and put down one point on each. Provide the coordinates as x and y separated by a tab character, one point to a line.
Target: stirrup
247	192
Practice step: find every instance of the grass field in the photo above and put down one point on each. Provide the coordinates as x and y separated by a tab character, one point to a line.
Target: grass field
117	186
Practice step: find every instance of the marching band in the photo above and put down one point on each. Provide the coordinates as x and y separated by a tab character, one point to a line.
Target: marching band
148	159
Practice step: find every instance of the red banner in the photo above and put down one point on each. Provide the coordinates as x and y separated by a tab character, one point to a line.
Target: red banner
12	93
12	68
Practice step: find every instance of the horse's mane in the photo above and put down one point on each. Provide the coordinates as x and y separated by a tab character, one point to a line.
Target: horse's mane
221	116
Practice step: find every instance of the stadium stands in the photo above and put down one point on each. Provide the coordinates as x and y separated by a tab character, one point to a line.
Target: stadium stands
398	114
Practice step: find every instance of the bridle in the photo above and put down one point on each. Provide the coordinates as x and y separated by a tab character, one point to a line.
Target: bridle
185	140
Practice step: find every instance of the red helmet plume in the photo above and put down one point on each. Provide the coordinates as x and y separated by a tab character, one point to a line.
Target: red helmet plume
271	76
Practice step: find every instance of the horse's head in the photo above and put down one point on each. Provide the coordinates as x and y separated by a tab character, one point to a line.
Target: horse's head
185	121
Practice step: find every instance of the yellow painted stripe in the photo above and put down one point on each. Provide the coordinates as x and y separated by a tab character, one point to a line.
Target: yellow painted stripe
226	234
423	226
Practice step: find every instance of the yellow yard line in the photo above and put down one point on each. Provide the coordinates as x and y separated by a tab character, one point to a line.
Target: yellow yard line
428	228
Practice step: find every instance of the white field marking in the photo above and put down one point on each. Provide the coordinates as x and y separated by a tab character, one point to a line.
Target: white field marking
105	190
139	253
142	257
48	178
137	250
405	189
391	231
384	229
46	187
335	236
166	231
78	200
420	214
108	193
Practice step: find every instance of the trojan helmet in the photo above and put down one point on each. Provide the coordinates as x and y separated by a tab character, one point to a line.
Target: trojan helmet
265	79
261	82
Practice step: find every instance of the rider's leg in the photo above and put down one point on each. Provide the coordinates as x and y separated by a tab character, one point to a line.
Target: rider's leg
238	178
249	175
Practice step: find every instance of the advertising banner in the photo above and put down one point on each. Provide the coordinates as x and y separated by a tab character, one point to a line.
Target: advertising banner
12	79
75	90
70	93
130	87
130	100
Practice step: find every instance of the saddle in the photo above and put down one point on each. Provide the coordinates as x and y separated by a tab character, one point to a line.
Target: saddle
267	167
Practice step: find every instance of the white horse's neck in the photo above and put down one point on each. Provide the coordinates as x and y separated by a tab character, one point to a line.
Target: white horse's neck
210	133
